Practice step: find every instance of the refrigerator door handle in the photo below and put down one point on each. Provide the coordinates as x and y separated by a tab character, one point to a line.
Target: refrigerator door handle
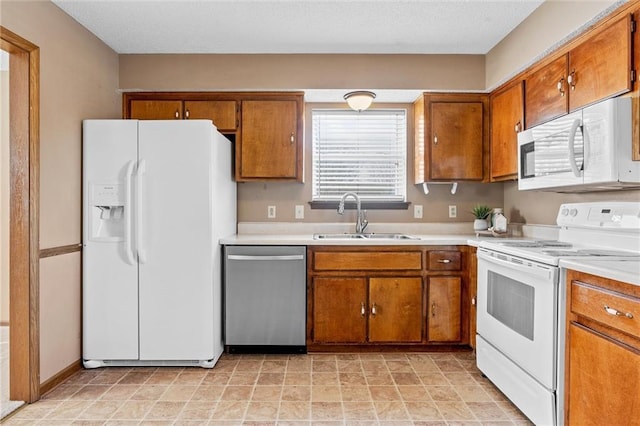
141	170
128	216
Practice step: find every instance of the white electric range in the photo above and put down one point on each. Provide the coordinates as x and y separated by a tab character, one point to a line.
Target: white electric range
520	323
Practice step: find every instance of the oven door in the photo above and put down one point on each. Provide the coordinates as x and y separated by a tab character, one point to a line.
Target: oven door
517	312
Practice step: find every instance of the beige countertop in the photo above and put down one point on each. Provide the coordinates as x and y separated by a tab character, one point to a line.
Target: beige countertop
627	271
308	240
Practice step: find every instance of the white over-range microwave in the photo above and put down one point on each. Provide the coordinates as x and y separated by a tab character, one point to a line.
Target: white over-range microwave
587	150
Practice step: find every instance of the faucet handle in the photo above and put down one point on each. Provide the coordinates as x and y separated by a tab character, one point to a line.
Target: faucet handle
363	220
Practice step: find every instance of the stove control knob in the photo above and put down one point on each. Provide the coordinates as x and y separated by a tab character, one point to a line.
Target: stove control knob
564	211
573	212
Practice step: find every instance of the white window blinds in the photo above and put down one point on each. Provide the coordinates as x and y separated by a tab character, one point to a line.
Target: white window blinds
362	152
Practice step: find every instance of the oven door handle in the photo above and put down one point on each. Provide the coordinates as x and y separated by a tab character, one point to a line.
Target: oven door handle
539	270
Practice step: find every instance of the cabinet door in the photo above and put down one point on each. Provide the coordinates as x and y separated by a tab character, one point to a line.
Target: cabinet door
339	310
155	110
604	380
444	313
546	93
222	113
269	146
601	66
507	119
395	308
456	140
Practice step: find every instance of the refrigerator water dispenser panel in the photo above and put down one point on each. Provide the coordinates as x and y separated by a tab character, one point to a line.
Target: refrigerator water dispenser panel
107	212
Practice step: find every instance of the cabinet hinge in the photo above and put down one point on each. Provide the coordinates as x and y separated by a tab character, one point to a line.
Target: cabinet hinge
633	75
633	26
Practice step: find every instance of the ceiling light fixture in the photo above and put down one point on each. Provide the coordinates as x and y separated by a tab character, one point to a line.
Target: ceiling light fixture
360	99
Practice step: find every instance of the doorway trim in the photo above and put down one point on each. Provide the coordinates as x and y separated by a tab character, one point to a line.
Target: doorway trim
24	213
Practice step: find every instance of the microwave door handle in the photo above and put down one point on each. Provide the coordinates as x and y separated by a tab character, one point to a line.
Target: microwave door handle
572	148
587	145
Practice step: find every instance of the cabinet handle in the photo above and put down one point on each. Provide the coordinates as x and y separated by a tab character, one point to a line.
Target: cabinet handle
177	114
444	261
571	79
363	311
433	309
373	310
435	139
612	311
561	86
518	127
293	139
186	114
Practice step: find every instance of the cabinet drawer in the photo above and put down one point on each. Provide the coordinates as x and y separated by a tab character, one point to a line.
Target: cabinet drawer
352	261
444	260
613	309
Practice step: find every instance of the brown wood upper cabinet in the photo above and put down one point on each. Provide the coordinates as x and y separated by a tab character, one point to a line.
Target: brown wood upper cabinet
222	113
507	120
267	127
154	109
451	130
270	146
597	68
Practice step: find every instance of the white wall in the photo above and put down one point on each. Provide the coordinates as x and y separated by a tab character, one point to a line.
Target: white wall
78	80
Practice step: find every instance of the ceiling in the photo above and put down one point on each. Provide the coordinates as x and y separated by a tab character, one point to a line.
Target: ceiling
302	26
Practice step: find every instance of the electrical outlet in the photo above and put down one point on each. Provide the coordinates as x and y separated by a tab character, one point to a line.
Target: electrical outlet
453	211
299	211
417	212
271	212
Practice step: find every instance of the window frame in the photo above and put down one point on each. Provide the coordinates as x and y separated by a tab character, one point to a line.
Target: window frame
366	203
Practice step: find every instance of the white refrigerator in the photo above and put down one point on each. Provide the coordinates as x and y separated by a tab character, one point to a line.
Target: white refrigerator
157	196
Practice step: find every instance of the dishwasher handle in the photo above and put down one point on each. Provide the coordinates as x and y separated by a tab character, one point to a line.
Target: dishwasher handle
267	257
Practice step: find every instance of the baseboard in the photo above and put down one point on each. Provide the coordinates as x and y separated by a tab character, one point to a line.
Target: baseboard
60	377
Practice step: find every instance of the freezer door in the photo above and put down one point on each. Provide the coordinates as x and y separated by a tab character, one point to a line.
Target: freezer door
175	240
109	270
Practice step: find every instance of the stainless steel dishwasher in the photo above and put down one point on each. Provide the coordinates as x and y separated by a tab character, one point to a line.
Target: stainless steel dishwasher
265	298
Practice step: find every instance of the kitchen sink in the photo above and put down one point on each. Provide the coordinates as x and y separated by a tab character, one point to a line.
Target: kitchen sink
345	236
391	237
371	236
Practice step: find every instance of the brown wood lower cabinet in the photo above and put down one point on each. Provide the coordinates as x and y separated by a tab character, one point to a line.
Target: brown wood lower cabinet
387	297
445	309
602	356
340	310
604	380
395	309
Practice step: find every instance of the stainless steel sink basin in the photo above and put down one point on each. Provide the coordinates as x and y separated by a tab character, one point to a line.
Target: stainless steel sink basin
371	236
344	236
391	237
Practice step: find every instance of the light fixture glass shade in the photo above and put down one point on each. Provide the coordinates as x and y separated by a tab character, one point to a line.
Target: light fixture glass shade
359	100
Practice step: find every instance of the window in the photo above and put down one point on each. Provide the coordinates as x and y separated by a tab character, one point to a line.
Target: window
363	152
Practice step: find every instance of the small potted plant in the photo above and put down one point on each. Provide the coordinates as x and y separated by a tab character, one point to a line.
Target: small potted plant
481	213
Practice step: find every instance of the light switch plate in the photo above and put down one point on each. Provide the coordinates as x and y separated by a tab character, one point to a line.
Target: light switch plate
417	211
271	212
299	211
453	211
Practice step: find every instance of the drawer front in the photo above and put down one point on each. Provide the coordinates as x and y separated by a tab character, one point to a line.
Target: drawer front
444	260
613	309
354	261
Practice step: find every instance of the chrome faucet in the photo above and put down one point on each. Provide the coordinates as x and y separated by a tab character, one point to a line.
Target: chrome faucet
361	215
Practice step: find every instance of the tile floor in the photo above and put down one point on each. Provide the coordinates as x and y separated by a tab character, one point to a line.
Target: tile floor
331	389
